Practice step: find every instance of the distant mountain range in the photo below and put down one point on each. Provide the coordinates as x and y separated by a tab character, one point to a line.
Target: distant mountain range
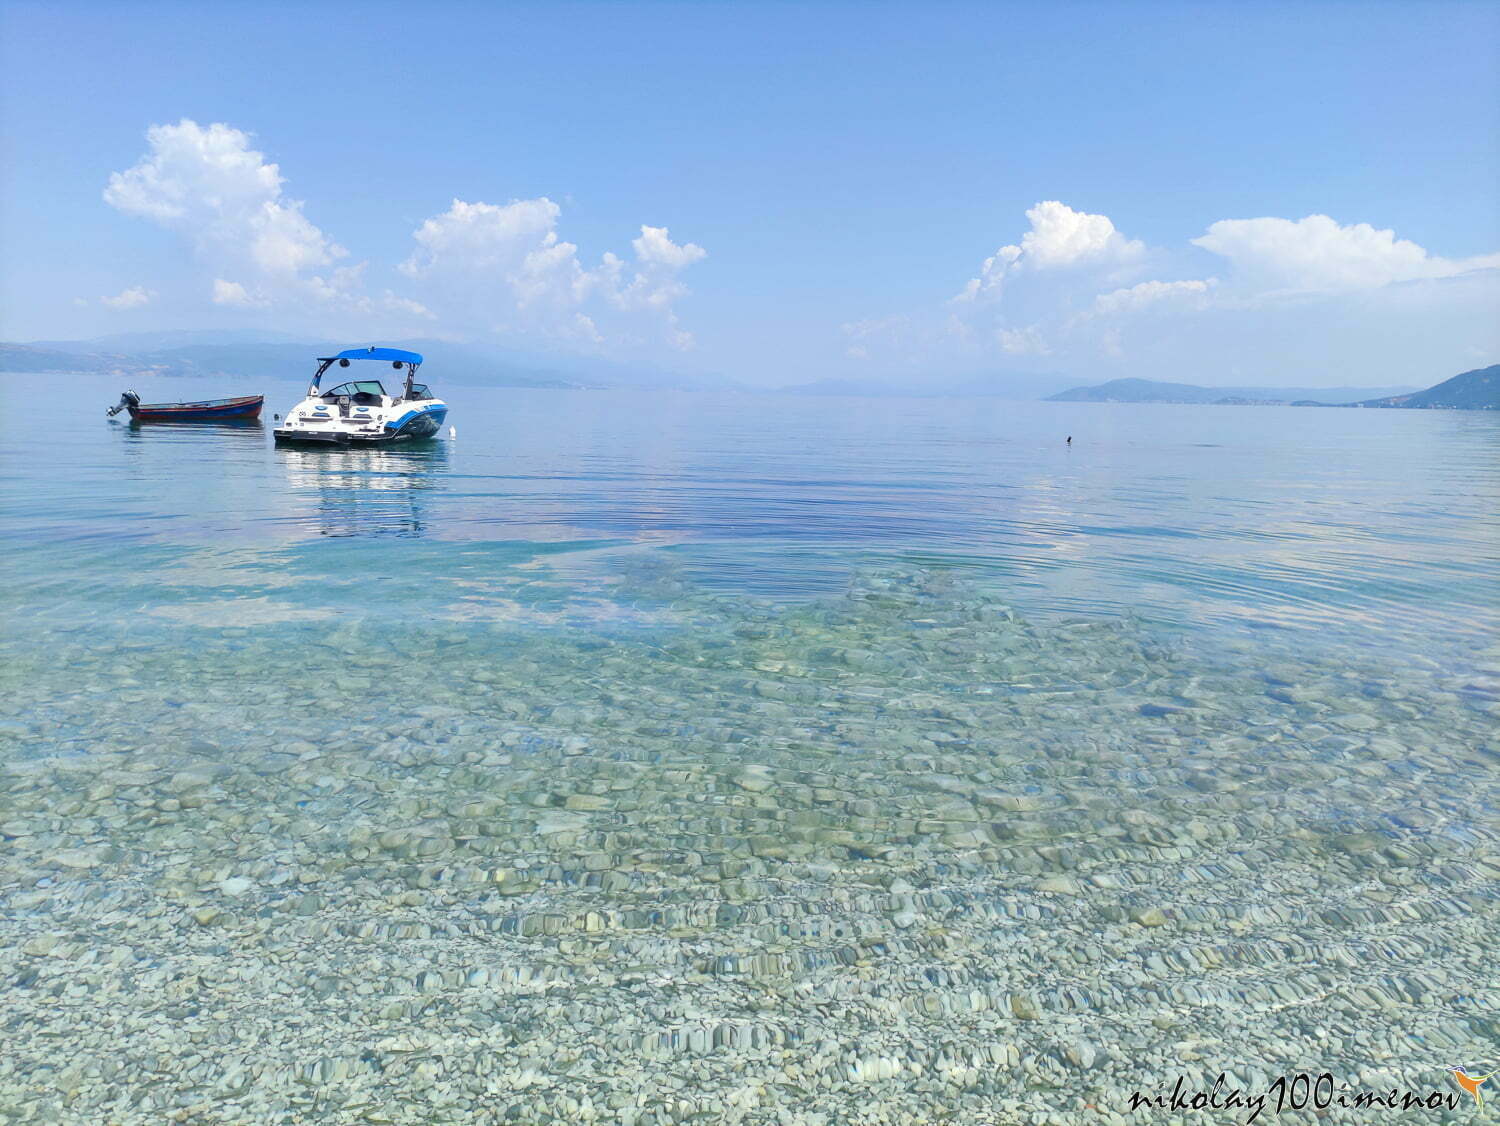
1150	391
262	355
1472	390
251	354
1477	390
1010	385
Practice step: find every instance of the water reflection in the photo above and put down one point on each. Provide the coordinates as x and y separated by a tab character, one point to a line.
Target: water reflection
1376	526
231	424
245	429
354	491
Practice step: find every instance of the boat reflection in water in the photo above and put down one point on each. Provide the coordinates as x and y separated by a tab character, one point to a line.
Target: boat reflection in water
228	427
195	446
366	491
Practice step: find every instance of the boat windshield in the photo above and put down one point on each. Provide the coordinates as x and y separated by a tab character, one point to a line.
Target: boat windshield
419	391
356	389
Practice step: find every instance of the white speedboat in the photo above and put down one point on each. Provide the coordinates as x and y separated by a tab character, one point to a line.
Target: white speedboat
361	412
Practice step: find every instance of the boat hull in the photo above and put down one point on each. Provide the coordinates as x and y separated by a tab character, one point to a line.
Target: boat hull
417	423
305	438
243	409
422	423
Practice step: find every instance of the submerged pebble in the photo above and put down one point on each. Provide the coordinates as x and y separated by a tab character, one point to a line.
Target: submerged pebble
899	857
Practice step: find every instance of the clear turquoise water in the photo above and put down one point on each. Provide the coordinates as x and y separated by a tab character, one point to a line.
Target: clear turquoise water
1377	526
858	729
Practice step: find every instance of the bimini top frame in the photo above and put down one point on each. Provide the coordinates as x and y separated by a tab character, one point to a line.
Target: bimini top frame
396	357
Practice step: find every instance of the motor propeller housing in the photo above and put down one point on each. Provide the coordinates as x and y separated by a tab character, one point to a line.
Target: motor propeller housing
128	399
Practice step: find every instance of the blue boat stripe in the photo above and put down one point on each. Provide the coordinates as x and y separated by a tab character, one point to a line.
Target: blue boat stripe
409	415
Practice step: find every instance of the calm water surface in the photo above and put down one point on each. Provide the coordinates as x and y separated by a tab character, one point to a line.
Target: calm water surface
644	756
1376	526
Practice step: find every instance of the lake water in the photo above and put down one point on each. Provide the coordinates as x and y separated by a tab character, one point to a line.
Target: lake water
633	757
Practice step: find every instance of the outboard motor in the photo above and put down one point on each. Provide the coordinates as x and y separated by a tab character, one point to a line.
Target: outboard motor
127	400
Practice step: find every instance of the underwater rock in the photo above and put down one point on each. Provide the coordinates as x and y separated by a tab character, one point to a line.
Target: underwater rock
753	862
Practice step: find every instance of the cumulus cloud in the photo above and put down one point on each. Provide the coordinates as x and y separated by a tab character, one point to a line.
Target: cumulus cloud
479	265
655	250
509	247
208	185
1031	295
484	234
1059	238
1317	254
132	298
232	294
1077	290
507	263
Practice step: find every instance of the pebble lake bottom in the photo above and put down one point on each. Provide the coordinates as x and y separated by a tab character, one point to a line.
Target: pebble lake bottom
654	759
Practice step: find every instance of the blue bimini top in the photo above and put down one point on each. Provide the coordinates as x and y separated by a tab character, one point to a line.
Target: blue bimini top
391	355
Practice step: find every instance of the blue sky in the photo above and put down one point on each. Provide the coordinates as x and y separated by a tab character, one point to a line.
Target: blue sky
772	193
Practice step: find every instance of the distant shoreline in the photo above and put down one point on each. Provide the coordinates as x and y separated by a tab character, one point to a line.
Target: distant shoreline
245	360
1471	390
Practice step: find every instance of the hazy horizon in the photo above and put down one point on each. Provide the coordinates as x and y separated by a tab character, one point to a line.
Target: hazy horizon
213	354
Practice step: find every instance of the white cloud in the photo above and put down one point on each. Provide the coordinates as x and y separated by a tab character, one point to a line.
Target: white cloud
655	250
209	185
407	305
1295	293
1318	254
503	263
1026	341
1030	295
654	285
233	294
487	237
480	265
343	286
1144	294
1059	238
507	264
991	277
131	298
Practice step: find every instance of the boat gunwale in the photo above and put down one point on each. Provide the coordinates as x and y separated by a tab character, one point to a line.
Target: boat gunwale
202	404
